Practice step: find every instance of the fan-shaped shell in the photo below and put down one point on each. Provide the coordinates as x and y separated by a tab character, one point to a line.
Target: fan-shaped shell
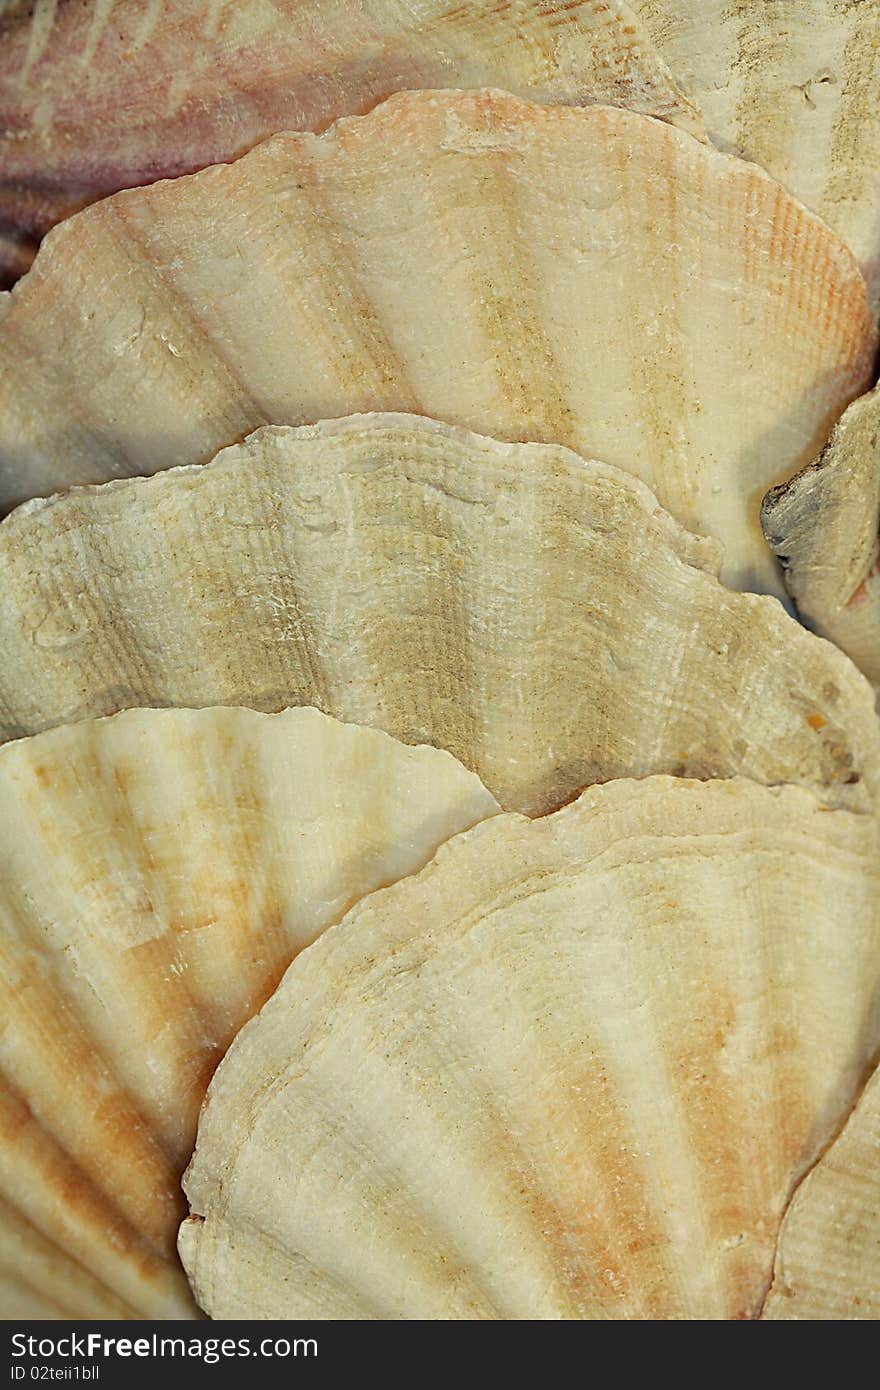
570	1070
794	86
99	97
823	526
828	1260
536	614
158	871
587	276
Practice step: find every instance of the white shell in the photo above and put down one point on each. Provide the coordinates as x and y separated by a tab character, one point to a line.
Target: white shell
828	1260
824	527
792	84
536	614
570	1070
583	276
158	872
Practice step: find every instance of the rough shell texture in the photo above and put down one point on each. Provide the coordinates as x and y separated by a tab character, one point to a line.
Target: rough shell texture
823	525
536	614
588	277
793	85
571	1070
159	871
828	1261
99	97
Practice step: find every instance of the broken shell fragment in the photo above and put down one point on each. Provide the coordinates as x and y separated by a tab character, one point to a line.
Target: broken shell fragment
587	276
93	99
823	525
536	614
793	86
572	1069
159	871
828	1260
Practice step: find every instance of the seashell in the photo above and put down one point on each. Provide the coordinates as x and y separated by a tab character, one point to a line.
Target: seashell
794	86
823	526
536	614
159	871
572	1069
828	1260
531	272
40	1280
200	83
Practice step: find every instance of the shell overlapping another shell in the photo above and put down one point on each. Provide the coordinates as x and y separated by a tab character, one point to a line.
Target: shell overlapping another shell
489	925
792	85
158	872
823	525
828	1259
83	114
583	276
536	614
572	1069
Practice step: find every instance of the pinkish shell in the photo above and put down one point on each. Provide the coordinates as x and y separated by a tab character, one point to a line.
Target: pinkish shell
98	97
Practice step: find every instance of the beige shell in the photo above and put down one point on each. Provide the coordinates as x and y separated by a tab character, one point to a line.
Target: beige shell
828	1261
40	1280
99	97
823	525
586	276
792	84
536	614
570	1070
158	872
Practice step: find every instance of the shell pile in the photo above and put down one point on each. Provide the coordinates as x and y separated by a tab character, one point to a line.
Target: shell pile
439	650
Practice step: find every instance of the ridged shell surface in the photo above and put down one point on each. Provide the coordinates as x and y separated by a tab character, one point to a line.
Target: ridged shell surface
823	525
572	1069
536	614
583	276
792	84
158	872
103	96
828	1261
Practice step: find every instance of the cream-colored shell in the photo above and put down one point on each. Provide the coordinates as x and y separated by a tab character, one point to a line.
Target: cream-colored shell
39	1280
158	872
570	1070
99	97
583	276
828	1260
536	614
823	526
792	84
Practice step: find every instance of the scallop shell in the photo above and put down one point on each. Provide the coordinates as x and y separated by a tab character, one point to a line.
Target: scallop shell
201	82
39	1280
823	525
536	614
794	86
159	871
540	273
570	1070
828	1261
